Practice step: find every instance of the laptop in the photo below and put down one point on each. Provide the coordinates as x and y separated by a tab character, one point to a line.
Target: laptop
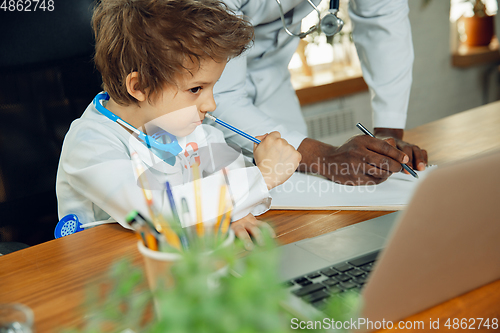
444	244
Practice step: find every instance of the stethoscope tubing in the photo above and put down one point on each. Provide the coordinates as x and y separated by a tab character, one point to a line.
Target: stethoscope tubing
172	147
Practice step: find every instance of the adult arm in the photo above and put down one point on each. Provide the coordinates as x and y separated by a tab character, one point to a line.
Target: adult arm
382	35
359	161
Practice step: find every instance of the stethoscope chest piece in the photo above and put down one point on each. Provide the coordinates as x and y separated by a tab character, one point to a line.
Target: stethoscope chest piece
331	24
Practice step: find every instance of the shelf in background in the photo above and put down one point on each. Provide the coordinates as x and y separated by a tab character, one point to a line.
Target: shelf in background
327	83
331	90
471	56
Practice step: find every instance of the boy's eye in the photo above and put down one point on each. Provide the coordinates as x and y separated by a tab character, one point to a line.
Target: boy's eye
195	90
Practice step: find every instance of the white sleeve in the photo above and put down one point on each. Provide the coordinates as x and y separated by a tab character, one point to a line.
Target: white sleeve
98	174
382	35
246	186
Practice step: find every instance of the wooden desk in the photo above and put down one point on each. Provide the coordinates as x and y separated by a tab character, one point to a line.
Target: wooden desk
50	277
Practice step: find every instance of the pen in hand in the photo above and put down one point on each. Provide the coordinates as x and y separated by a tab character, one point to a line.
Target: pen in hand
367	132
234	129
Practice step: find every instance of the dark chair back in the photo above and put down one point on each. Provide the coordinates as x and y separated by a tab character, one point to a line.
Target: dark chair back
47	78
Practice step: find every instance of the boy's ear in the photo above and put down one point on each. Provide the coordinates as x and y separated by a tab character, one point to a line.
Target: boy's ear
132	83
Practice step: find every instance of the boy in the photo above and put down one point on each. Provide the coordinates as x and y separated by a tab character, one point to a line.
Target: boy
159	61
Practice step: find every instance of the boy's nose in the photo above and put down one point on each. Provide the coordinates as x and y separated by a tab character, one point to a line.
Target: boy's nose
209	104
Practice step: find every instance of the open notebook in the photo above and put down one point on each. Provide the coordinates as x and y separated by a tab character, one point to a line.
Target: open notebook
311	192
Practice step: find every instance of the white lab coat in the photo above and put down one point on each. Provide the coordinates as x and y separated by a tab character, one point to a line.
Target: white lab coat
255	93
97	181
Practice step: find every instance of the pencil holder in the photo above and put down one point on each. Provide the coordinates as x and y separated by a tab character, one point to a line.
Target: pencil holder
158	265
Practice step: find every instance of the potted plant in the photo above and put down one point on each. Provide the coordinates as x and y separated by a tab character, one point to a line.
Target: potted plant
477	30
252	302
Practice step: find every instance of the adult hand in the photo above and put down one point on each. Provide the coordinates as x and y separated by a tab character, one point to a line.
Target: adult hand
247	226
276	159
418	156
362	160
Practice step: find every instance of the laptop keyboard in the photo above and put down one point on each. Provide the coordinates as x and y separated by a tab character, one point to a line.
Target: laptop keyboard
316	287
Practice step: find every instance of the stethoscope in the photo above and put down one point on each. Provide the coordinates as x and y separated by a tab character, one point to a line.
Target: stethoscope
70	223
330	23
150	141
